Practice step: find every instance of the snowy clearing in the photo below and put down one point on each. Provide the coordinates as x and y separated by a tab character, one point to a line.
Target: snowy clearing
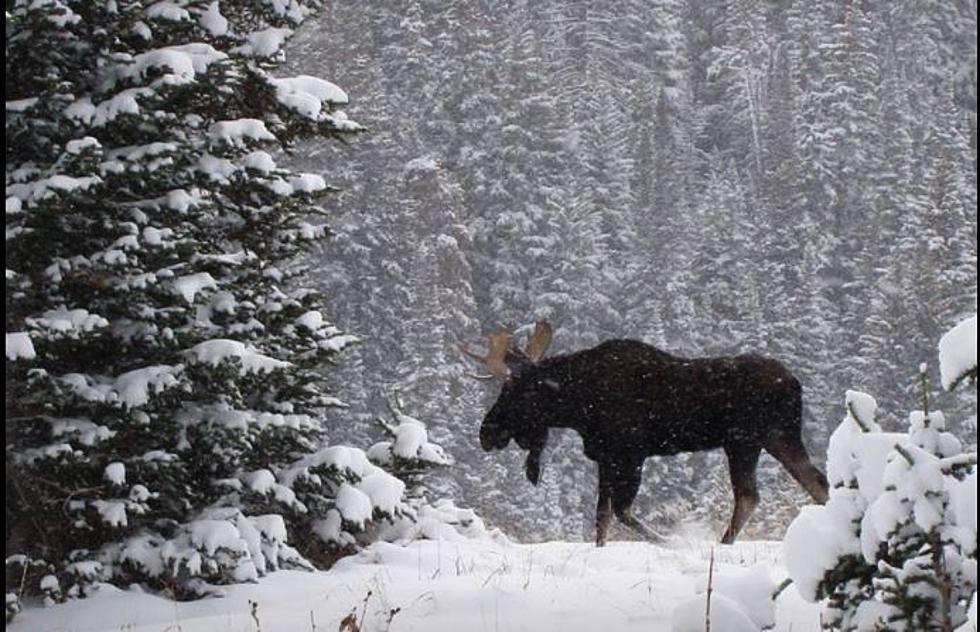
442	586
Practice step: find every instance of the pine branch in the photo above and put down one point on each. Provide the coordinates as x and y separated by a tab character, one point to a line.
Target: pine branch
857	418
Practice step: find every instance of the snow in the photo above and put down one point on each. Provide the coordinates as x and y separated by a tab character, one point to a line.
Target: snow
751	589
217	169
190	285
212	21
155	236
441	586
353	504
139	493
411	442
338	343
958	352
21	105
131	389
211	535
726	616
443	520
858	449
167	10
19	346
83	431
330	529
61	17
238	131
142	30
259	160
122	103
14	206
180	200
409	439
963	498
263	43
225	417
68	322
214	352
312	320
971	626
49	582
308	183
422	164
86	568
183	62
306	95
259	481
112	512
47	187
115	473
384	490
79	145
889	493
815	541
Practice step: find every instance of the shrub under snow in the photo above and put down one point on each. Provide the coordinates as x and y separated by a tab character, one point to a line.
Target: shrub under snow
741	601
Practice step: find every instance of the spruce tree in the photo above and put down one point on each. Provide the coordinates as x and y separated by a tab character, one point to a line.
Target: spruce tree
165	401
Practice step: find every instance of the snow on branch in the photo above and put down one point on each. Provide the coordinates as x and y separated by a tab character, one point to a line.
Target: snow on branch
958	354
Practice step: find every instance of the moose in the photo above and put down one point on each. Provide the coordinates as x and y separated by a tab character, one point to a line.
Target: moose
629	400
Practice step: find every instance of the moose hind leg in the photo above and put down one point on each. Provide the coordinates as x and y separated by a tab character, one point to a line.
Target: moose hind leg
742	464
793	456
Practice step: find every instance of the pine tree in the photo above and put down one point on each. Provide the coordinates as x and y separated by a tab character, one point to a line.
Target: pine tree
164	396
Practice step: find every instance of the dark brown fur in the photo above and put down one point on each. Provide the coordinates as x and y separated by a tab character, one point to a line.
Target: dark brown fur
629	400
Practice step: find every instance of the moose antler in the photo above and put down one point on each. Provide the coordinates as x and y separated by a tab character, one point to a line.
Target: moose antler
539	341
494	359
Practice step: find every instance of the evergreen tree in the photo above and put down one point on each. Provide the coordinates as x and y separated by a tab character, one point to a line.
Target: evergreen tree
165	402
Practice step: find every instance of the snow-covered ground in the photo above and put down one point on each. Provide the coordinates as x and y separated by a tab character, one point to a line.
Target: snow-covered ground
466	586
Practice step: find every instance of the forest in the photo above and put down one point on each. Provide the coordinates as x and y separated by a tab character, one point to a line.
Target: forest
795	179
254	246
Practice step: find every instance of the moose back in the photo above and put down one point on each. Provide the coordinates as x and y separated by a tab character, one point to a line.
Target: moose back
629	400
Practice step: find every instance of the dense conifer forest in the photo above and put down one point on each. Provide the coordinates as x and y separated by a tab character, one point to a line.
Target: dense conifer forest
790	178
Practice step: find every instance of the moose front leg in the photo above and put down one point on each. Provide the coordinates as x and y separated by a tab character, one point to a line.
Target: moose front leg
618	485
603	509
624	493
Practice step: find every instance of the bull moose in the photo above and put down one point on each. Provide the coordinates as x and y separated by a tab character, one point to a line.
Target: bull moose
629	400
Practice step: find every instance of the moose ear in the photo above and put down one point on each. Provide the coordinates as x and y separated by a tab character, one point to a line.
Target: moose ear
539	341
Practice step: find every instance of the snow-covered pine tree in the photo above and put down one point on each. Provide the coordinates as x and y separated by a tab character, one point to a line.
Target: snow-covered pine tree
407	452
164	402
895	547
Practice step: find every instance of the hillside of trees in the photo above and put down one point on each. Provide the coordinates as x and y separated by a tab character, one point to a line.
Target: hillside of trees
791	178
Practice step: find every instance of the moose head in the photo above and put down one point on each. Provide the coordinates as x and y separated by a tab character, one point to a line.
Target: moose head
518	414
